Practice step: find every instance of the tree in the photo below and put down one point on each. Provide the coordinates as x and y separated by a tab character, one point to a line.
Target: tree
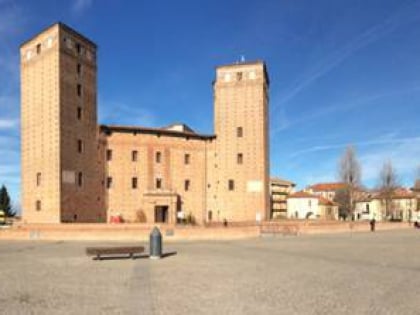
5	203
349	172
342	198
388	184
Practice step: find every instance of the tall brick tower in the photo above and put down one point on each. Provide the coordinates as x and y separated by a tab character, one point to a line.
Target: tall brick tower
241	159
61	175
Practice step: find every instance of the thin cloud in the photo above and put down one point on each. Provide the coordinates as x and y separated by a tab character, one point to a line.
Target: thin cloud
404	156
369	36
8	123
79	6
383	141
122	114
284	123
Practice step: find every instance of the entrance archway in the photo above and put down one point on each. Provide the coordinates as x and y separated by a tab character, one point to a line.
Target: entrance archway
161	214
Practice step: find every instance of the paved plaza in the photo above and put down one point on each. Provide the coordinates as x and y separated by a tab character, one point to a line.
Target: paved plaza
363	273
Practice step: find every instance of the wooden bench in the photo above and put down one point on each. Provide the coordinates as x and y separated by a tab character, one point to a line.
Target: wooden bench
99	252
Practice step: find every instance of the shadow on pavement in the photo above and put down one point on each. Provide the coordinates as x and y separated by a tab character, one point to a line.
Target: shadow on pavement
141	256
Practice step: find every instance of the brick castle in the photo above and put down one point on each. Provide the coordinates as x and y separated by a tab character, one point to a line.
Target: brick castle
74	170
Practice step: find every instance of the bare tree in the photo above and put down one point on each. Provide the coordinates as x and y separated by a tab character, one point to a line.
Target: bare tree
349	172
388	184
416	187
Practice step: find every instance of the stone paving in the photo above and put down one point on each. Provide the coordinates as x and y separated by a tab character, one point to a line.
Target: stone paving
363	273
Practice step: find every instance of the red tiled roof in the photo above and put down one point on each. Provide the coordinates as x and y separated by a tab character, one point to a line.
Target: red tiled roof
327	186
302	194
400	193
326	202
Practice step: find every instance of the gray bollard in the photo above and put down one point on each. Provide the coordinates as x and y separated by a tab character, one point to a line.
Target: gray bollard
155	244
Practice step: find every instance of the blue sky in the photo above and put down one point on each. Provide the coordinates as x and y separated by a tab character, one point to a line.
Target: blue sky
342	72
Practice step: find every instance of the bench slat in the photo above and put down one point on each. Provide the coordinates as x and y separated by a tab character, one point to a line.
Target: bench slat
97	251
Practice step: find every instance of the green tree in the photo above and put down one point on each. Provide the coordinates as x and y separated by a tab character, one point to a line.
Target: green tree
5	203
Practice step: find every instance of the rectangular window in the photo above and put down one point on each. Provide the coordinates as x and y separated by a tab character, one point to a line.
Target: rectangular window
38	205
79	146
158	183
38	49
79	68
231	184
38	179
78	48
186	159
79	90
134	155
187	185
134	183
109	182
108	155
80	179
239	76
79	113
239	132
158	157
240	158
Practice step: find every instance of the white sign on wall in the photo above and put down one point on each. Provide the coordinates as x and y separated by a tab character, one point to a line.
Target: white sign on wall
68	177
180	215
254	186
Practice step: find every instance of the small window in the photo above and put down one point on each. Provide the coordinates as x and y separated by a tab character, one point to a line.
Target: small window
38	179
187	185
158	183
79	68
38	49
134	183
231	184
239	132
79	113
109	182
108	155
79	90
158	157
134	155
239	76
186	159
78	48
240	158
210	215
79	146
80	179
38	205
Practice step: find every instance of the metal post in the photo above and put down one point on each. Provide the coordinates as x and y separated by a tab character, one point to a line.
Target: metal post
155	244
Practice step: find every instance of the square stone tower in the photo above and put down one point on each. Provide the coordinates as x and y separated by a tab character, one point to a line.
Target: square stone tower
61	172
241	157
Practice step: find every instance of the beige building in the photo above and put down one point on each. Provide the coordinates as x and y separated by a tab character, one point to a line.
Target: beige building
326	190
279	190
304	205
373	205
76	170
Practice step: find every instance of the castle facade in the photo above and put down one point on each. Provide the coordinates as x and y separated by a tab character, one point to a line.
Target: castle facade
75	170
